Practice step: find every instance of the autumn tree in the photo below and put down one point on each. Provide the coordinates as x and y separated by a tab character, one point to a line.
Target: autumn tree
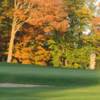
22	9
80	13
46	18
5	26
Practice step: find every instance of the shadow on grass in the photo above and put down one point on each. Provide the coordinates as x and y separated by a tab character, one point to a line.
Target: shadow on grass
62	84
27	74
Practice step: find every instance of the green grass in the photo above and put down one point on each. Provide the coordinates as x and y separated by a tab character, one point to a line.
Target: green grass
64	84
51	93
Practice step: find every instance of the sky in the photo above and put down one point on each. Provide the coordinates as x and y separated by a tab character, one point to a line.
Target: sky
98	0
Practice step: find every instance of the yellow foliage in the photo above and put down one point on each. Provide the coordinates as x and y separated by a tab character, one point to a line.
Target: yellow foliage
26	55
84	11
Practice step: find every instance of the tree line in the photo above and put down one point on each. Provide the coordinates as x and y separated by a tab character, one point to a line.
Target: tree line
57	33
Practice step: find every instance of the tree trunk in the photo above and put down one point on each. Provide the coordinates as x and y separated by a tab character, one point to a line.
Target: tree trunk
11	45
92	61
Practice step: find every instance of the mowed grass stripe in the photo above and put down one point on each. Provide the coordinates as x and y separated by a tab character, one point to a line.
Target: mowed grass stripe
63	84
32	74
52	93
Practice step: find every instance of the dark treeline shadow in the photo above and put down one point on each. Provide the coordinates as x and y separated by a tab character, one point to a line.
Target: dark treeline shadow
28	74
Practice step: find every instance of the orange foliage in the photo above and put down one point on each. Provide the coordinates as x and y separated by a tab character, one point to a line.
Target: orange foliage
96	25
45	16
36	54
22	53
45	13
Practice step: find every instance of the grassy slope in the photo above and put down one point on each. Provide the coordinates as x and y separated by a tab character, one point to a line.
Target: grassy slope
72	84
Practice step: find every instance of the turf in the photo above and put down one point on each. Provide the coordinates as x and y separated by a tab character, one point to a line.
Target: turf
51	93
63	84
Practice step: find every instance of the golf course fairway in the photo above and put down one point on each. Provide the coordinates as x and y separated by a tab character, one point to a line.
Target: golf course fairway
55	83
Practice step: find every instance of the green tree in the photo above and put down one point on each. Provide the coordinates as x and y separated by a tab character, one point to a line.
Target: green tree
80	15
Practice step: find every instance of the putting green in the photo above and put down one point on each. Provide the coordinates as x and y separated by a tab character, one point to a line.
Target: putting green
63	84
